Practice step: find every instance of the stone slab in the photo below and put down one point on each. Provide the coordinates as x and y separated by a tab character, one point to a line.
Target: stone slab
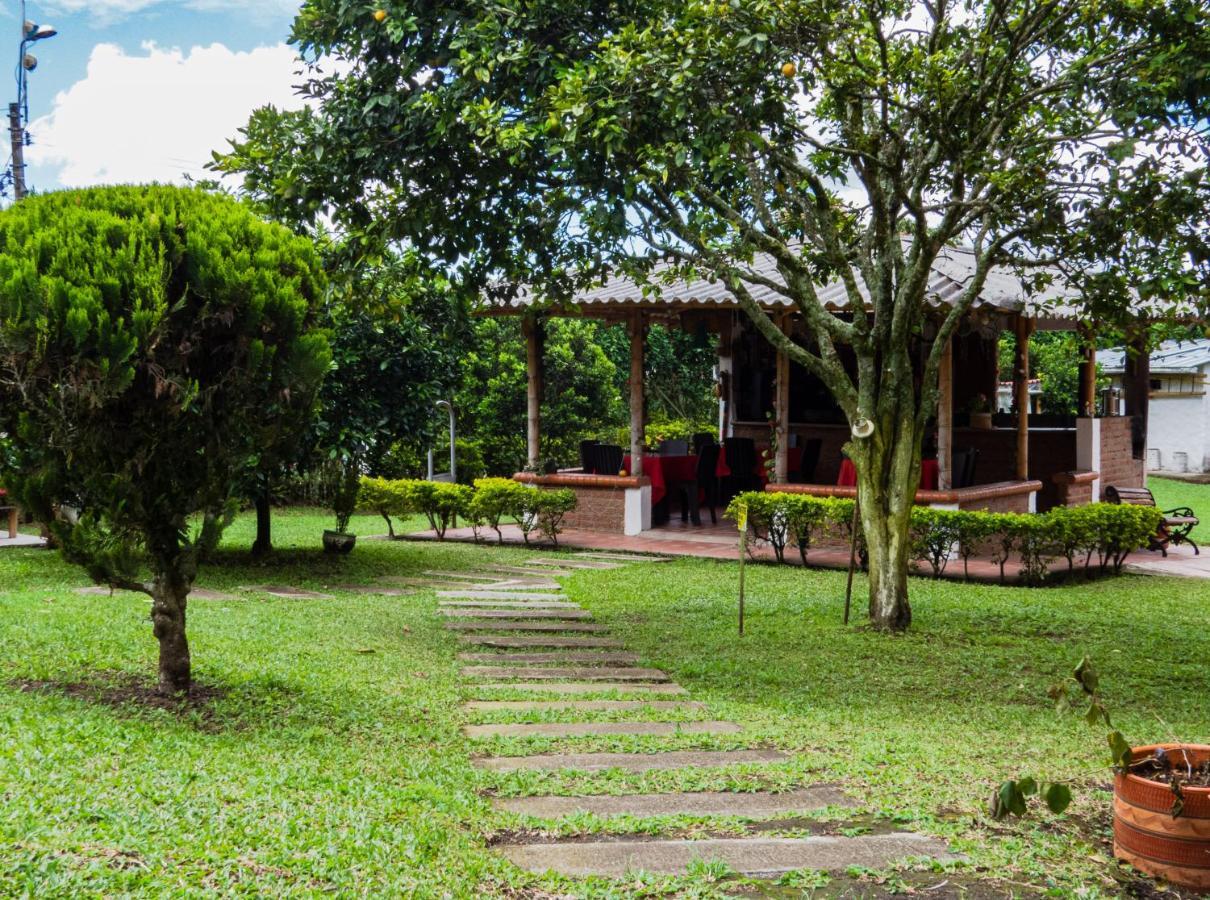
583	687
100	590
462	576
630	762
706	803
747	856
377	590
535	571
593	729
553	641
499	595
536	673
506	625
576	563
528	615
590	657
581	705
285	592
621	557
507	604
204	594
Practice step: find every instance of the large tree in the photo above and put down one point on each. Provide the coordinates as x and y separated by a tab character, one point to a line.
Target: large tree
846	141
152	342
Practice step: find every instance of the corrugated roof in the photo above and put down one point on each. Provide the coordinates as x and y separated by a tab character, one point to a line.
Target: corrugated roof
1169	358
952	272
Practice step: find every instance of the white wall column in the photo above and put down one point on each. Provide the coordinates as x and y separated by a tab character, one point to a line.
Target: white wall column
1088	451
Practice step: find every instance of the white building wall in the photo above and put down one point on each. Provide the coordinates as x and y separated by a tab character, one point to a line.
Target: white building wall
1178	432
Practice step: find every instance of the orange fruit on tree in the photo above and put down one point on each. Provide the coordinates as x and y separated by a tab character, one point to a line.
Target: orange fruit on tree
380	15
789	70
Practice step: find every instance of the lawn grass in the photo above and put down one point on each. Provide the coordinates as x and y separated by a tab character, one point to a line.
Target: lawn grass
331	759
1170	493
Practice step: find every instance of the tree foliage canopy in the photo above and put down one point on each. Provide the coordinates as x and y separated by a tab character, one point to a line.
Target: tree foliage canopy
153	341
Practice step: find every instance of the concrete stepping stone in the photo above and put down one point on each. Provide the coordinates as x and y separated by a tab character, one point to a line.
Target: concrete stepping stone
504	625
592	729
100	590
532	571
204	594
517	613
631	762
583	687
288	593
621	557
574	563
374	589
552	641
581	705
508	604
463	576
499	595
591	657
761	805
747	856
532	673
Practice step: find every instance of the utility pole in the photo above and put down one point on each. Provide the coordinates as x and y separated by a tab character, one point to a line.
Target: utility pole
17	132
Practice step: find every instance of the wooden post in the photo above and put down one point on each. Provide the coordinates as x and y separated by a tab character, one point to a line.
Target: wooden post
532	326
1088	378
781	412
636	394
1025	328
945	418
1136	383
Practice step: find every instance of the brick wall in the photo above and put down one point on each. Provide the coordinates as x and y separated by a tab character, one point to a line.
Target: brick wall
1050	451
1118	465
598	509
1014	503
1074	488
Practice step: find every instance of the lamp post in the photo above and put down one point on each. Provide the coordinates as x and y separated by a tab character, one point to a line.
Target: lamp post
18	113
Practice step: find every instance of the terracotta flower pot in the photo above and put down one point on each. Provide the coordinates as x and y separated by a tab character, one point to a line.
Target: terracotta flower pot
1145	833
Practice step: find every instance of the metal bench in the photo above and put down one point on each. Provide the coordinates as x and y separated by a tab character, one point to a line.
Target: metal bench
1177	524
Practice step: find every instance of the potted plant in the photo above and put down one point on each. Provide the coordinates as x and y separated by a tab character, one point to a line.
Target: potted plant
1161	795
344	503
980	412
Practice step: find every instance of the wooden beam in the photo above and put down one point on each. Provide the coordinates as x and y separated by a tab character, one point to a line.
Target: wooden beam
945	418
637	436
1136	384
1088	378
532	327
781	412
1025	327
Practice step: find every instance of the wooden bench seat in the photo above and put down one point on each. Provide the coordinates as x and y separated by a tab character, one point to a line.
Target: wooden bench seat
1177	525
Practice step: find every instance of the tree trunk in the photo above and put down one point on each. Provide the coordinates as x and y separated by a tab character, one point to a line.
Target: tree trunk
263	545
169	595
888	473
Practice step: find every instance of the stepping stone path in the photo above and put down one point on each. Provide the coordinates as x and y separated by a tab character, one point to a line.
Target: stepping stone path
287	593
556	660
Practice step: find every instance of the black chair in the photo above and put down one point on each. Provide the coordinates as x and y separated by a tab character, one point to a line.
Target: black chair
741	460
607	459
701	438
810	462
674	448
962	467
586	461
705	482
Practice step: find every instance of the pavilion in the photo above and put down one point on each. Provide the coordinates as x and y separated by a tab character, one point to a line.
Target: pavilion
1027	462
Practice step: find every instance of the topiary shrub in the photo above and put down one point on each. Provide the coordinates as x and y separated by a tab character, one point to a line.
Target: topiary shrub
494	501
387	498
551	507
156	343
440	502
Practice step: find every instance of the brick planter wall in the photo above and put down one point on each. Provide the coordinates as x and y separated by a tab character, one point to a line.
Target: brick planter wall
1119	468
1074	488
600	499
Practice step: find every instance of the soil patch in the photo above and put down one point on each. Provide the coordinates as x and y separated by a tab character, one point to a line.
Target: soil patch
123	690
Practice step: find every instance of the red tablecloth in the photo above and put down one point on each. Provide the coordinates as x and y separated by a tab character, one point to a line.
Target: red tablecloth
928	474
663	470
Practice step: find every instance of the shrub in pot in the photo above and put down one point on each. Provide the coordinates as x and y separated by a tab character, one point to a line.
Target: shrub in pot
1161	795
344	503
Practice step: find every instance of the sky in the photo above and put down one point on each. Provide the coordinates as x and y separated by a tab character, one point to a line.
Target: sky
144	90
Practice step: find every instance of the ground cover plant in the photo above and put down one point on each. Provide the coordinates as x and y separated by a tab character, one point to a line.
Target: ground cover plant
323	753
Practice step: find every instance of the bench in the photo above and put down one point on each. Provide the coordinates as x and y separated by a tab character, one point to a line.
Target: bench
1177	524
13	515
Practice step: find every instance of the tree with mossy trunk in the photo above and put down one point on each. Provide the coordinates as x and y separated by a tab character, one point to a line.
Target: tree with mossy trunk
847	142
152	341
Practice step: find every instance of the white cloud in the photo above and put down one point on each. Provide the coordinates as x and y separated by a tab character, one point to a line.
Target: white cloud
107	11
157	116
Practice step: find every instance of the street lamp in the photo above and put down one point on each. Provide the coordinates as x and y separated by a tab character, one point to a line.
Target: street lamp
18	113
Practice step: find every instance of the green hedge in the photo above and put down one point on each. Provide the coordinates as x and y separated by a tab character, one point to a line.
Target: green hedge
490	503
1098	537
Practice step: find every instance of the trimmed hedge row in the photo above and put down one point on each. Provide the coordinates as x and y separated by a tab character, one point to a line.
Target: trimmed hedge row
492	502
1099	536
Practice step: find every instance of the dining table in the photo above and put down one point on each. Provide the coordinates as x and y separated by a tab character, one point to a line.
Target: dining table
928	474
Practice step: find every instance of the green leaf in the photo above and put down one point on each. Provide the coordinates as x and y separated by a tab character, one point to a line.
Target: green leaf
1028	786
1011	800
1086	675
1120	750
1057	797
